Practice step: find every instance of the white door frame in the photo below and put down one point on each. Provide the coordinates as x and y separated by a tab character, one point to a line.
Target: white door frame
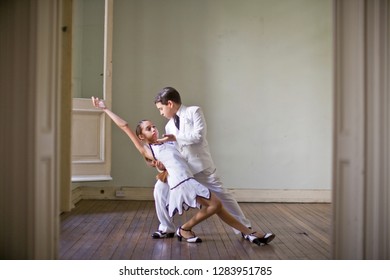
361	195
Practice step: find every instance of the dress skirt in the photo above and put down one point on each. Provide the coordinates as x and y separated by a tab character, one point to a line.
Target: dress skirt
183	196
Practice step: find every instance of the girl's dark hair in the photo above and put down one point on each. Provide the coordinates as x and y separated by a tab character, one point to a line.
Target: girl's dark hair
138	129
166	94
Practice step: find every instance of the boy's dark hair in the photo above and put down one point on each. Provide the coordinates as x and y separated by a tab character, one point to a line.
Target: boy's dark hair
168	93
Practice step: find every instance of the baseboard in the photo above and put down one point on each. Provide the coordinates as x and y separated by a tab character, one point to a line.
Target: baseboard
241	195
297	196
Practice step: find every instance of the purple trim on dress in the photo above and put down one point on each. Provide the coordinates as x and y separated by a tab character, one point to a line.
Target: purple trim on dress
182	182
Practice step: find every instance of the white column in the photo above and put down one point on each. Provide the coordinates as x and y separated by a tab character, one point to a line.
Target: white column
362	130
349	153
377	210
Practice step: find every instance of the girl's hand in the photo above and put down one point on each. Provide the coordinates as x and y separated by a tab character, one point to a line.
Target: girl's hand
97	103
159	165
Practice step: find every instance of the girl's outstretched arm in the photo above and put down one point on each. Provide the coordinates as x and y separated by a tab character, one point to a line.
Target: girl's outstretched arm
122	124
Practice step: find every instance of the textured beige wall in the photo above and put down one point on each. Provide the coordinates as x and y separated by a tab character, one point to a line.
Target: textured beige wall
261	70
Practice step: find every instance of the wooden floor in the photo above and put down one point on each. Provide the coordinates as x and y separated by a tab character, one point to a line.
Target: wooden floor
118	230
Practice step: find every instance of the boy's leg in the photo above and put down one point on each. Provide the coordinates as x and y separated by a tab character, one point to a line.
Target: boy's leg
166	227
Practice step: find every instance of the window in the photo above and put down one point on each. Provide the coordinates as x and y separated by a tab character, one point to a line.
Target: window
91	76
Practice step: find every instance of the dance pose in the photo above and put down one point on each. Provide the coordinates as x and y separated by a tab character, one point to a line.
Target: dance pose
184	191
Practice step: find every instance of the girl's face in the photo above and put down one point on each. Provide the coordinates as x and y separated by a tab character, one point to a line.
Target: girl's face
166	110
149	132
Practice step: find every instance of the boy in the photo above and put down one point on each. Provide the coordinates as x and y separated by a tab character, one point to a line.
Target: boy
187	126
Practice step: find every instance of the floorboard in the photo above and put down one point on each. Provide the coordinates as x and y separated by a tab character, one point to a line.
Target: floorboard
121	230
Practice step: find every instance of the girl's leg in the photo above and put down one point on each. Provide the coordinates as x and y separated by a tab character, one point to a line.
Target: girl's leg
214	206
225	216
211	180
209	207
258	238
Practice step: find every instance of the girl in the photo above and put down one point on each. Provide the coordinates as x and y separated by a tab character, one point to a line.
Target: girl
185	191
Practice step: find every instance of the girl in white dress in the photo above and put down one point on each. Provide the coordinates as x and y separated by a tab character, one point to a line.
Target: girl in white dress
185	191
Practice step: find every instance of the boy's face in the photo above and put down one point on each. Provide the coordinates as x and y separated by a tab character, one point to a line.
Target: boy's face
167	111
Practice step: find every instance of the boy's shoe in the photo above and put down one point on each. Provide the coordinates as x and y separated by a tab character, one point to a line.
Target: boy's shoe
160	234
267	238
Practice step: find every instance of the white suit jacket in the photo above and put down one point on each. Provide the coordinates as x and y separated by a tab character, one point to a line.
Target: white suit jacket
191	138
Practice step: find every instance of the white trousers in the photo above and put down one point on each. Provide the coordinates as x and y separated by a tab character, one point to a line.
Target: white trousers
213	183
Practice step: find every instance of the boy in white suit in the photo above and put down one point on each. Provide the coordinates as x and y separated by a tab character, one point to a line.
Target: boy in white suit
187	126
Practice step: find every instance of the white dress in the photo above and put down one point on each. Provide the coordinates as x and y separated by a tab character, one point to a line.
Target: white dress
183	187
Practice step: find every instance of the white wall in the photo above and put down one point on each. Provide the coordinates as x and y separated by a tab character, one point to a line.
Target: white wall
261	70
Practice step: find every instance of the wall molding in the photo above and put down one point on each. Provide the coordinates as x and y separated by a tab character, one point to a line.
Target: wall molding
241	195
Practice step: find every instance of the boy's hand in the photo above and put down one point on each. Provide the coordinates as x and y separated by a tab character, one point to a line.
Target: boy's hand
167	138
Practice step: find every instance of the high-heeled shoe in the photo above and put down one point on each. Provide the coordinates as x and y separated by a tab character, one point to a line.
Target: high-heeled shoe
267	238
193	239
